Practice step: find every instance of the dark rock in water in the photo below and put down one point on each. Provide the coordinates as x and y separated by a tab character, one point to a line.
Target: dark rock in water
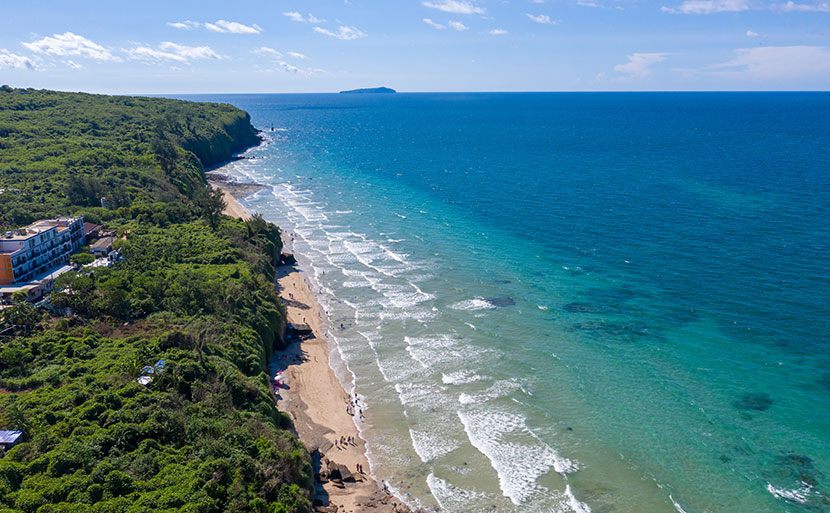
613	329
585	308
799	467
500	301
503	282
724	458
743	449
797	460
612	296
758	402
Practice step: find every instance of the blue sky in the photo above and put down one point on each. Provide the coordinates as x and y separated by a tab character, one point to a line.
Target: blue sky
204	46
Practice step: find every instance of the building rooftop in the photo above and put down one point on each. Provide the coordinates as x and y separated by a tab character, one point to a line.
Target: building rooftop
37	227
9	437
103	242
91	227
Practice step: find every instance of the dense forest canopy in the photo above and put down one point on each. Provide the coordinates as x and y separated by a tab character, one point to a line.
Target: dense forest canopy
193	306
61	151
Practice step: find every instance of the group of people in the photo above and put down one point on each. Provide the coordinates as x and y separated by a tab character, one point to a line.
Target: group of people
344	440
353	405
278	380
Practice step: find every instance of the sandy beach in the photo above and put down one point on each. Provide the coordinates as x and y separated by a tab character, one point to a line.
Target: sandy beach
315	398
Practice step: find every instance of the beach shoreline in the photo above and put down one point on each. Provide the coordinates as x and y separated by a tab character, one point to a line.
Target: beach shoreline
320	408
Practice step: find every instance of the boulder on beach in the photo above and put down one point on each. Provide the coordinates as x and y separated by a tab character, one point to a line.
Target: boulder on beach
287	259
345	473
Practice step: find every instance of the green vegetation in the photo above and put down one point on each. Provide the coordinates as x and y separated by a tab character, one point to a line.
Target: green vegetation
64	151
192	306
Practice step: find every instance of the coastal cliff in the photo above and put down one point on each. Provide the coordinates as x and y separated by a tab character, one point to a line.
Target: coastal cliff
64	151
222	142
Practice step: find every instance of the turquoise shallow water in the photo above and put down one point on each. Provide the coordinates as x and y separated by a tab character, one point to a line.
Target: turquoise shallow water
569	302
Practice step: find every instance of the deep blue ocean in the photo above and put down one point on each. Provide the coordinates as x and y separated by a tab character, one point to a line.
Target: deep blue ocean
611	302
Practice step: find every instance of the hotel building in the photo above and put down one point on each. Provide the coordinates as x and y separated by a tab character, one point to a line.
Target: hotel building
31	252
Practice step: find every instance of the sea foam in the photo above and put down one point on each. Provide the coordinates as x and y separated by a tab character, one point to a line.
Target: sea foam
518	458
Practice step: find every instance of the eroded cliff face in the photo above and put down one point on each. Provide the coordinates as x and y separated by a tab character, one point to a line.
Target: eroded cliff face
222	143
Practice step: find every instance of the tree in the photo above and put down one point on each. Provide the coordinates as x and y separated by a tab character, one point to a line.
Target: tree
84	190
81	259
210	202
22	313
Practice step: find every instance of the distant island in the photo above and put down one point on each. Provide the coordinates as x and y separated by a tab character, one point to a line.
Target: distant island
370	90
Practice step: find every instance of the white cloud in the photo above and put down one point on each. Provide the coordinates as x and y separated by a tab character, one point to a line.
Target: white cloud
184	25
168	51
708	6
638	65
294	70
433	24
776	62
276	54
498	32
541	18
71	44
232	27
190	52
13	60
587	3
147	54
816	7
457	25
454	6
288	68
74	65
295	16
345	33
264	50
751	33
